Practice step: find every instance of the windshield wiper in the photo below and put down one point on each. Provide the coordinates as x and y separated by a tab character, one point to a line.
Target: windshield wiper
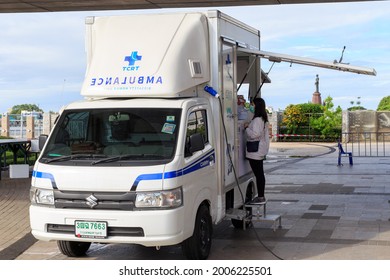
124	157
72	157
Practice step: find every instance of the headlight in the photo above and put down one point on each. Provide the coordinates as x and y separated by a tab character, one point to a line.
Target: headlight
41	196
161	199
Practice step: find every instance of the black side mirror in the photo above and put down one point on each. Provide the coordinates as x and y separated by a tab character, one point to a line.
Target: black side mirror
42	140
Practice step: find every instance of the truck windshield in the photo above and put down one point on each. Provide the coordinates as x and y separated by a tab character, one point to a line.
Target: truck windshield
107	136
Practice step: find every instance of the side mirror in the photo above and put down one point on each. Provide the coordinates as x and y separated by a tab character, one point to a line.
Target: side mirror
196	143
42	140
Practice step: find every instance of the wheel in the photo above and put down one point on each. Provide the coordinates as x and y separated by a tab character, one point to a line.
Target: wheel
72	248
197	247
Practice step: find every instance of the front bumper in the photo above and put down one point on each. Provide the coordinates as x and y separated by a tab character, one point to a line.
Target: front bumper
147	228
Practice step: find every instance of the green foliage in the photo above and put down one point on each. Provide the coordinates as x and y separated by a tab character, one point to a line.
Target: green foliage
311	108
356	108
314	119
299	115
384	104
329	124
292	118
17	109
9	158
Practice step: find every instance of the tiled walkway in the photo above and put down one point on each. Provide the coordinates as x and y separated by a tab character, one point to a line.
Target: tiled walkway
328	212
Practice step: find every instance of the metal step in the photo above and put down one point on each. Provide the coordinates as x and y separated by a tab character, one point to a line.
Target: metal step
258	210
237	214
249	205
273	219
259	214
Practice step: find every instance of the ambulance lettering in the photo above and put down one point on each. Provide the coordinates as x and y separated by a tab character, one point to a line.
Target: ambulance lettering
132	80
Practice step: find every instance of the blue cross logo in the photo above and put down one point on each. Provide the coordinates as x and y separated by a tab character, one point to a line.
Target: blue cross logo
133	58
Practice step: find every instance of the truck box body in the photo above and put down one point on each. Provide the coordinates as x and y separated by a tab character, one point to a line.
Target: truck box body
149	55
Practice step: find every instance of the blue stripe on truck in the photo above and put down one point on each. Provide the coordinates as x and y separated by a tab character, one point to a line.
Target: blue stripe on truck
45	175
199	164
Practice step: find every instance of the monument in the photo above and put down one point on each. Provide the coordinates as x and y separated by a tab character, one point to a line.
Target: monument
316	99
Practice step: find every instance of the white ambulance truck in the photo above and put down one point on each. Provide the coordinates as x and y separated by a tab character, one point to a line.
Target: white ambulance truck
154	154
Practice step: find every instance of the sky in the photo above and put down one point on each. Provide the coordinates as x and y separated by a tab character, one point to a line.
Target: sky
43	59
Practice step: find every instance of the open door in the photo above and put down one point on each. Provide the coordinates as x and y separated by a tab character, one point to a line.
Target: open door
278	57
229	103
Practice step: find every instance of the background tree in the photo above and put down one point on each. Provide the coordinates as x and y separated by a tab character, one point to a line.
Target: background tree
293	118
357	107
310	111
17	109
384	104
329	124
297	117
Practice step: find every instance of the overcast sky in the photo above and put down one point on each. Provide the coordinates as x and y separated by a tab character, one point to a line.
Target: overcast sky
42	57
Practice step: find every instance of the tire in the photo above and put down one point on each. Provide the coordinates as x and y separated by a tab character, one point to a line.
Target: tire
198	246
73	248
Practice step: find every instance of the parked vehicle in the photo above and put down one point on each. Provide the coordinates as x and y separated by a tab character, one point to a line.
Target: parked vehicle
155	153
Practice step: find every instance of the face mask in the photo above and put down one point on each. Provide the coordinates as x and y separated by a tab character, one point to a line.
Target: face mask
252	108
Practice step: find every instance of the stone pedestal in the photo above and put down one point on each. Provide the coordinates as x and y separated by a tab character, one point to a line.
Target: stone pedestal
316	99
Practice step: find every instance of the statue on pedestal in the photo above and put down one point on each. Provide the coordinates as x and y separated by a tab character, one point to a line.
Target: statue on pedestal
317	83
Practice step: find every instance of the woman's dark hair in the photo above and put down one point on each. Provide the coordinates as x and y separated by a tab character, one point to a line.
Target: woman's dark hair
260	110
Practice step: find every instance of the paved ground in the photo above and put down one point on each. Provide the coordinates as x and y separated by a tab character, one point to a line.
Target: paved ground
328	212
15	234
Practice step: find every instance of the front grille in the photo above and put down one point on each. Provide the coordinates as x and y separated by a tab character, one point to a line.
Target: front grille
111	231
94	200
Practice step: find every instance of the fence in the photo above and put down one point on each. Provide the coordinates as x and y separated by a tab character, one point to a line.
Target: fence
365	133
303	131
367	144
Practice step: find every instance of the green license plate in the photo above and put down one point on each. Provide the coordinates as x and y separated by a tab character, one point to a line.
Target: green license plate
90	229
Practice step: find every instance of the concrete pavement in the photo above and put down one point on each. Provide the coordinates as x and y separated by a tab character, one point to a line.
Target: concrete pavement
328	212
15	235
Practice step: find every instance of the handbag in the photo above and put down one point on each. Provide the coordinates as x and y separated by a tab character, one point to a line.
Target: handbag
252	146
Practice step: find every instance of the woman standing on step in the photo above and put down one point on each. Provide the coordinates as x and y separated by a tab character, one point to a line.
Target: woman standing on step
257	135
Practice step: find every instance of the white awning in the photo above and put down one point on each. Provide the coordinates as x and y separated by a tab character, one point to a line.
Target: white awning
278	57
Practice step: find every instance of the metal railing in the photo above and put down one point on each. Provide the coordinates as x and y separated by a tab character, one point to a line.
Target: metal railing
367	144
